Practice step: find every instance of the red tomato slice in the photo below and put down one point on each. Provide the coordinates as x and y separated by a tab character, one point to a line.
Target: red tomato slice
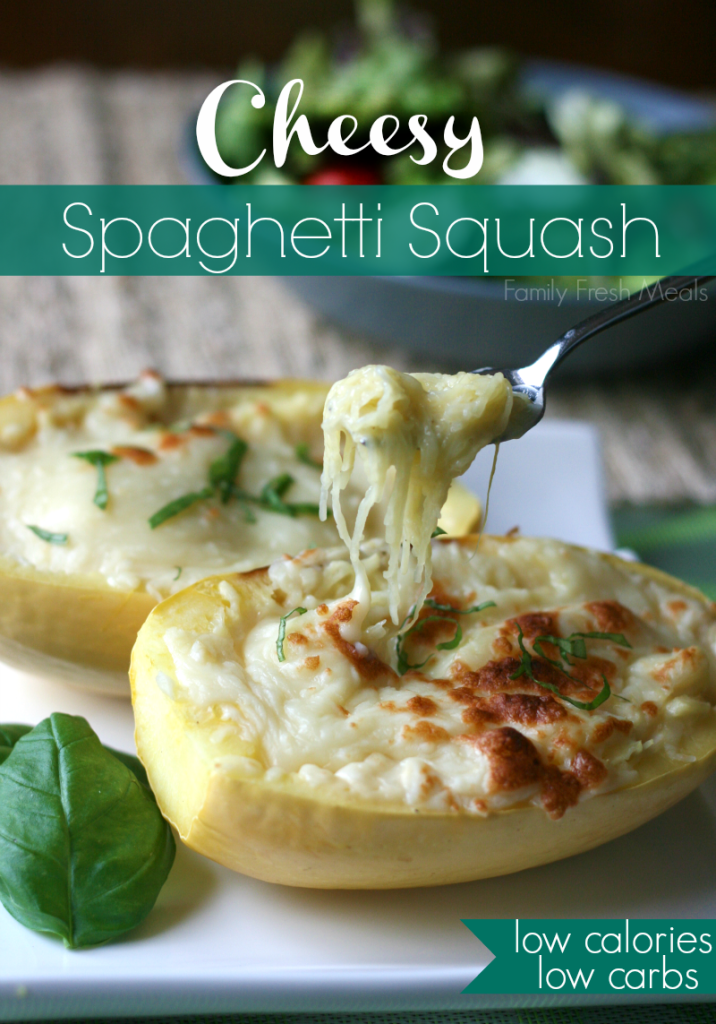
343	176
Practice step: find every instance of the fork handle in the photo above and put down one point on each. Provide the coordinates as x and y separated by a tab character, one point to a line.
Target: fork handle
648	296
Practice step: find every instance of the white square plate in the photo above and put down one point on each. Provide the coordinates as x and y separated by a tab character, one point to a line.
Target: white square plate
220	942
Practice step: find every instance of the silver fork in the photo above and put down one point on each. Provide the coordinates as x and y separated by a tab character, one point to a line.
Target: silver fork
528	384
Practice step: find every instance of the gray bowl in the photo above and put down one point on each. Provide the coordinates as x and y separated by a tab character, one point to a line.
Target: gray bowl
469	324
472	322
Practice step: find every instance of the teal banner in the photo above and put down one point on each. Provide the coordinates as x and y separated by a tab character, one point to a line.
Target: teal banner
507	231
563	957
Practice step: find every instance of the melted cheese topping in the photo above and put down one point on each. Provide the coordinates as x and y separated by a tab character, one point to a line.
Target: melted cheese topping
165	439
463	733
413	434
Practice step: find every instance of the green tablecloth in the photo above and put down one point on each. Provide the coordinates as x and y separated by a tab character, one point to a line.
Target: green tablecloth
689	1013
679	541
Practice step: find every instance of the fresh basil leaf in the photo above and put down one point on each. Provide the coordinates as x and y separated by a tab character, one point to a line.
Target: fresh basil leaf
99	459
223	471
179	571
84	849
438	532
173	508
9	735
303	455
51	538
132	762
282	630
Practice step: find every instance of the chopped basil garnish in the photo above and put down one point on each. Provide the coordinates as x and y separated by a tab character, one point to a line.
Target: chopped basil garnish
222	483
525	668
282	630
459	611
306	508
272	493
51	538
438	532
249	516
180	427
574	645
303	455
179	570
449	645
173	508
223	471
403	663
99	460
571	646
222	476
271	498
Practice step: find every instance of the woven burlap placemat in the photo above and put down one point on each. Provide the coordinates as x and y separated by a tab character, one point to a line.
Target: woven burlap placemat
80	126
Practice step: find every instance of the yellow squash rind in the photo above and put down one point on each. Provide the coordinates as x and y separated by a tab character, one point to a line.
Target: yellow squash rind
287	833
80	629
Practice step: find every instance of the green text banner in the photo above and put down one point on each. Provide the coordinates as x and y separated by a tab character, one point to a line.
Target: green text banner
506	231
623	958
